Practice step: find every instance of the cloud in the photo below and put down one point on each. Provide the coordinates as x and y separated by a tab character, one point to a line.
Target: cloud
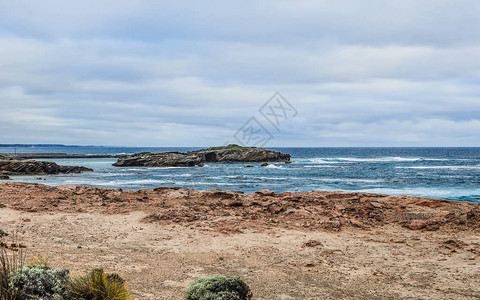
158	73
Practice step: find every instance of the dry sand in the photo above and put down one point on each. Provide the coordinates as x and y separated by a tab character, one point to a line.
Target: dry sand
402	248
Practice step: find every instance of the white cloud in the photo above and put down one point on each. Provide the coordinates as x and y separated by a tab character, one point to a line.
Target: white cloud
168	73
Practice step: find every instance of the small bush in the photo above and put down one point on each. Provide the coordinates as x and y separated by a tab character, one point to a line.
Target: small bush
40	282
97	285
218	287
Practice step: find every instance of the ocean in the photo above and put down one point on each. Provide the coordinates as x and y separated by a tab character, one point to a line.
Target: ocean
447	173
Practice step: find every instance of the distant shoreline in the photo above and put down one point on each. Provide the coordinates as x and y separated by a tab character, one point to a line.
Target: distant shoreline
58	155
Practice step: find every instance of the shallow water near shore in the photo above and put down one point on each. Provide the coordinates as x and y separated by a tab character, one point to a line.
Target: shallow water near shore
448	173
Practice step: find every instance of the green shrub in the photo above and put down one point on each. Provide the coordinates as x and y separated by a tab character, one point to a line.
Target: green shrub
230	146
40	283
218	287
141	154
97	285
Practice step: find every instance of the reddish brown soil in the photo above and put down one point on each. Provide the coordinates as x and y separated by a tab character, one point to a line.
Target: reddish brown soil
234	211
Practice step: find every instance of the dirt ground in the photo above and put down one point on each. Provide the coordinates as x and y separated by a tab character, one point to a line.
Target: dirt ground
315	245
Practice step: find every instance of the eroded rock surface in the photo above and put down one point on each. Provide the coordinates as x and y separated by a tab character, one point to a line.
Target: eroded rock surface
229	211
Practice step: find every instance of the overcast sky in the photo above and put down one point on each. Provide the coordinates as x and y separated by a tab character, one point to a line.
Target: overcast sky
188	73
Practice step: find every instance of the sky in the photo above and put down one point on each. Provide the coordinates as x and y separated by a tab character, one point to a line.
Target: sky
192	73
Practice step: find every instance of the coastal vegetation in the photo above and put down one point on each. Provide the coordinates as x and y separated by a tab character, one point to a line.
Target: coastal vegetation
11	258
219	287
38	280
230	146
98	285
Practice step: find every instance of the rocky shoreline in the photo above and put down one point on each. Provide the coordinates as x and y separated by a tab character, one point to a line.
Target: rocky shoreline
229	210
12	167
227	154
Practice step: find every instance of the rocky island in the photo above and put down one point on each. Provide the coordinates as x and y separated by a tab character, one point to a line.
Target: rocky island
10	166
226	154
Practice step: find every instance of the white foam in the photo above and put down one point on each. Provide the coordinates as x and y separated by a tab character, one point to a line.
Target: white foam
443	167
273	167
347	180
141	181
339	160
161	168
323	179
321	166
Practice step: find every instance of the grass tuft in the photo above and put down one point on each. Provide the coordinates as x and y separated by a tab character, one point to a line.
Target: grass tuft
97	285
39	261
11	259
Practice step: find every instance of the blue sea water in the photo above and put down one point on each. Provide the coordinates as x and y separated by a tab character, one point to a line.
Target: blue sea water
448	173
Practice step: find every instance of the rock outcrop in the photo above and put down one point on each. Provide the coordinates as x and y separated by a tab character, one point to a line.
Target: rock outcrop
230	211
228	154
9	166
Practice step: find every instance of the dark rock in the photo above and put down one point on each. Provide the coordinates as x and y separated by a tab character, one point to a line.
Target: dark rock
454	244
221	194
4	177
312	244
265	193
264	164
33	167
248	166
228	154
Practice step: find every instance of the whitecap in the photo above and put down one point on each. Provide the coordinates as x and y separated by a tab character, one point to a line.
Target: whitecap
337	160
321	166
273	167
140	181
476	167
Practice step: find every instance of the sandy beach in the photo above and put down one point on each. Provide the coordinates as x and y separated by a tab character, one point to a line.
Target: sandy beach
315	245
